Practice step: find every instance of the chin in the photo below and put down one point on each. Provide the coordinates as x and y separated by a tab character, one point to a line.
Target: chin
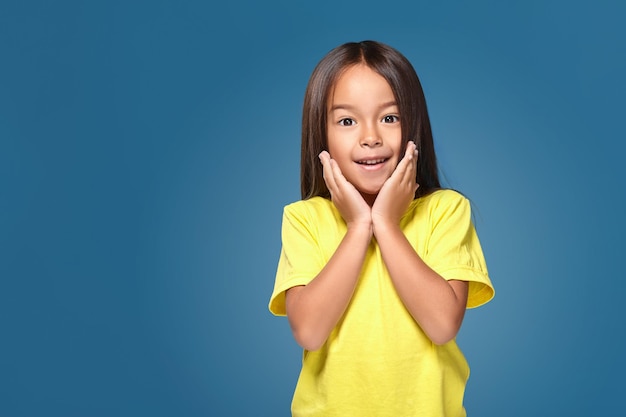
371	188
369	193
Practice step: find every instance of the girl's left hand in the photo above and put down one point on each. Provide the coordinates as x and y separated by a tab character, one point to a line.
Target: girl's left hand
398	191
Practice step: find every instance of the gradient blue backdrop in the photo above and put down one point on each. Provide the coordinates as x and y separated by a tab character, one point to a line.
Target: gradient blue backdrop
147	149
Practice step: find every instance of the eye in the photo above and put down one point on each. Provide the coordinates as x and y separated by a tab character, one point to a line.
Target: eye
391	118
347	122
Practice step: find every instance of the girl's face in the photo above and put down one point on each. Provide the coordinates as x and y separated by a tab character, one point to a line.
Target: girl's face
364	134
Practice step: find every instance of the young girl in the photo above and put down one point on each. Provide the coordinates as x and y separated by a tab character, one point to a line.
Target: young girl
378	262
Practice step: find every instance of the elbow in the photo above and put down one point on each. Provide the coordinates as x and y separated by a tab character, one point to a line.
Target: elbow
442	339
307	329
307	339
443	333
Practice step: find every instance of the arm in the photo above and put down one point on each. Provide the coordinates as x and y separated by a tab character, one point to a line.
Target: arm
315	309
436	304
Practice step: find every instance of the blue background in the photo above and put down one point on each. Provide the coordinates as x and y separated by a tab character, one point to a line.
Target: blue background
147	149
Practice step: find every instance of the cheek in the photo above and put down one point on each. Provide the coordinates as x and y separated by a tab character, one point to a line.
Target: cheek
330	142
336	149
399	152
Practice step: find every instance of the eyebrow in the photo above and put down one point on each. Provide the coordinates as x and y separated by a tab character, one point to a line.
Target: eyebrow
349	107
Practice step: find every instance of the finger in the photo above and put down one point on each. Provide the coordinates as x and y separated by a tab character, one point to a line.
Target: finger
405	172
411	155
411	172
327	172
337	174
404	168
342	185
414	179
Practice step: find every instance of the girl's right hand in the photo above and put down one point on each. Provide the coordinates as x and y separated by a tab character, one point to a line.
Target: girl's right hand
353	208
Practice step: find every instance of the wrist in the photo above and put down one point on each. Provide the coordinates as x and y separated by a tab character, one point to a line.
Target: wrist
384	225
364	227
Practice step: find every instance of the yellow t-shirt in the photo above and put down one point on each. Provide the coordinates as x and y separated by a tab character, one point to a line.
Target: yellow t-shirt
377	361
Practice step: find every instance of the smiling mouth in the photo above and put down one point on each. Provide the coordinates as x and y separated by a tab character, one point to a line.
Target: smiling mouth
372	161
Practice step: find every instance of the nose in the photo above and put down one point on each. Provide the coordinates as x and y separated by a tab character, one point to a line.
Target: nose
371	138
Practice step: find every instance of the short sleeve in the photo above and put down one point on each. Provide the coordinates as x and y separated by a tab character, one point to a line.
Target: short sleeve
300	256
453	249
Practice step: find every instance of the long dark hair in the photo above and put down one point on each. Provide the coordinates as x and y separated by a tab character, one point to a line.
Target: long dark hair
407	89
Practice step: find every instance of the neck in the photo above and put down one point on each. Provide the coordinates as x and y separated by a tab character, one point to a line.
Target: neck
369	198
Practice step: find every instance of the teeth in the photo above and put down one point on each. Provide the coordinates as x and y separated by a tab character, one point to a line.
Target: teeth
372	161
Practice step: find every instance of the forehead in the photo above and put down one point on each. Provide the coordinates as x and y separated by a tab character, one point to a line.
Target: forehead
358	83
